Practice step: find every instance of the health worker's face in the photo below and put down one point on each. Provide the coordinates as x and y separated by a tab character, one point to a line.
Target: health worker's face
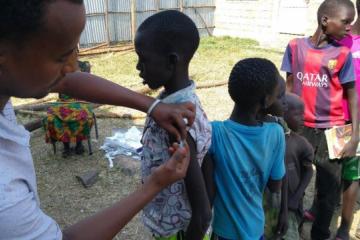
37	65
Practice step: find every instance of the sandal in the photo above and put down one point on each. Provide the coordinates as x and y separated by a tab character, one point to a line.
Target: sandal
308	216
342	235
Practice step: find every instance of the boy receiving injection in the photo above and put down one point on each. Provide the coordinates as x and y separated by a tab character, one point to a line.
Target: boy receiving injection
165	44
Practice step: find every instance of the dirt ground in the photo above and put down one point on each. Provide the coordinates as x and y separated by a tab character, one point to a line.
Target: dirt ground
65	199
61	194
336	218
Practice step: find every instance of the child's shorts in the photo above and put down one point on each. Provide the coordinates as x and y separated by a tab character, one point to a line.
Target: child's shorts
179	236
351	169
214	237
271	205
294	222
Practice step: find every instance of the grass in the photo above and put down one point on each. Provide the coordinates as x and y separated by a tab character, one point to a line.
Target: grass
63	197
212	62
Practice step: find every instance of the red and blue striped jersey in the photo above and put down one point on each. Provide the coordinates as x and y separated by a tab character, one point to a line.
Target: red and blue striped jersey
319	74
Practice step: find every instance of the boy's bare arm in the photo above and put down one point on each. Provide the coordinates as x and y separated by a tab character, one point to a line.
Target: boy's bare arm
208	173
198	198
304	182
98	90
274	185
289	82
282	224
350	148
107	223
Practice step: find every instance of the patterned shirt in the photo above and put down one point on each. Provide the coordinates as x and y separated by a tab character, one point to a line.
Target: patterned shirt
170	211
319	74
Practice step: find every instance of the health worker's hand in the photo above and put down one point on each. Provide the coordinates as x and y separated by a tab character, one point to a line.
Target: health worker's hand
172	170
171	118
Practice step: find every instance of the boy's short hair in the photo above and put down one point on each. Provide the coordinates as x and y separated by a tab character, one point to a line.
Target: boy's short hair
172	31
329	7
251	80
358	6
20	19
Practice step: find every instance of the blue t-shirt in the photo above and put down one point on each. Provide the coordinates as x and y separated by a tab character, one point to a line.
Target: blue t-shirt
245	157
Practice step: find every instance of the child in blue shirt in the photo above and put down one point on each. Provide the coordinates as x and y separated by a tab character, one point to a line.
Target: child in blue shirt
247	154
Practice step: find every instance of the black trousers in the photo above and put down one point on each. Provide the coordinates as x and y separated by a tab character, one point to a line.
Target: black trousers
327	184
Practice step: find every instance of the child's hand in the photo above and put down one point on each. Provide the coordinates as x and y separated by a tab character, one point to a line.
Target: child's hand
349	149
171	118
282	225
294	202
172	170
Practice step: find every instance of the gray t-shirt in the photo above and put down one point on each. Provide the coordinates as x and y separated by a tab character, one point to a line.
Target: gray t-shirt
20	215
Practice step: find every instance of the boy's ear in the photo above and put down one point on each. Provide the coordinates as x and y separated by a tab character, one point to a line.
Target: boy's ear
324	21
173	59
263	103
266	102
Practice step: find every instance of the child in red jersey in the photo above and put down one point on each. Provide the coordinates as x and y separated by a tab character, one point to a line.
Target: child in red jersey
320	71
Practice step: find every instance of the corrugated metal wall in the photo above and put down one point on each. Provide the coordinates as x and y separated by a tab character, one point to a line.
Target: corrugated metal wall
111	20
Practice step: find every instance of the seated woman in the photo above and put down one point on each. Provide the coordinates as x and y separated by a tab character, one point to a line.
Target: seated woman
69	120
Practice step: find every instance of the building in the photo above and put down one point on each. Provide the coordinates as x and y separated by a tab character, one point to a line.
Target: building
270	22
